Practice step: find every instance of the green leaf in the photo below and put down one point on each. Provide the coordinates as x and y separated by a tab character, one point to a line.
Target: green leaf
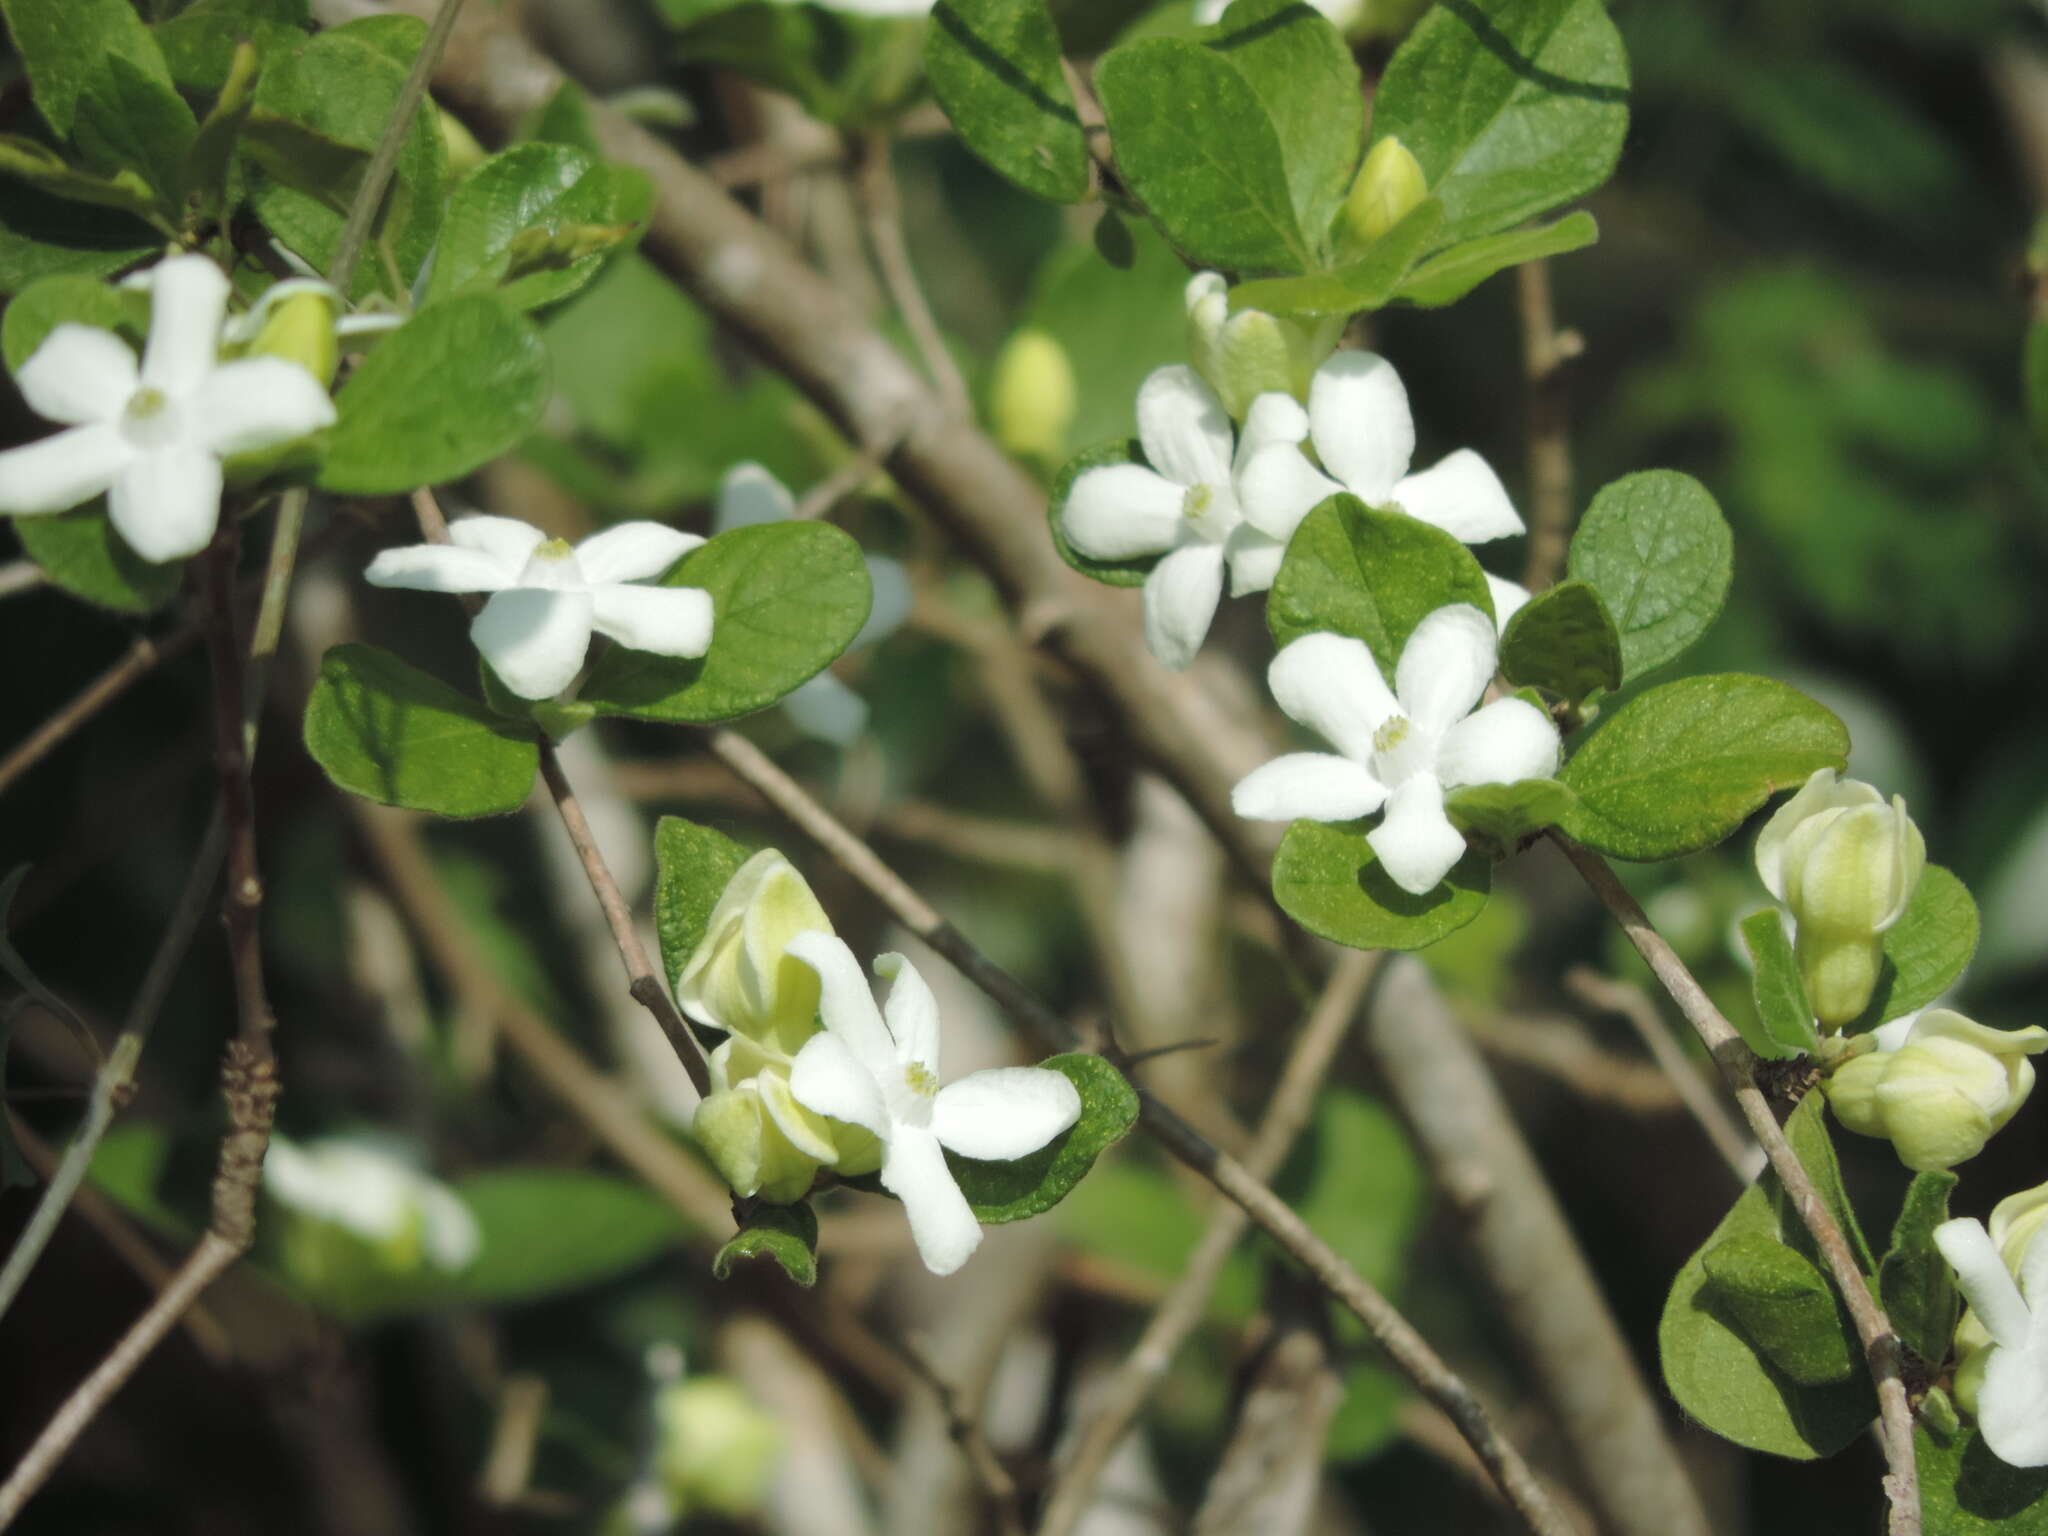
995	67
1352	570
1564	642
1001	1192
564	119
445	393
1926	949
80	552
1679	768
1449	276
1783	1306
788	1234
131	119
1365	284
44	235
1511	106
548	191
1915	1285
1327	878
1504	814
693	865
1717	1374
1304	75
68	300
1115	573
199	42
549	1230
388	732
847	70
786	599
1784	1016
64	45
1967	1491
39	166
1656	548
1195	144
210	171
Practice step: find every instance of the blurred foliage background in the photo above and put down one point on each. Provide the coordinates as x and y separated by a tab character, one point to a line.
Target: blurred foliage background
1811	292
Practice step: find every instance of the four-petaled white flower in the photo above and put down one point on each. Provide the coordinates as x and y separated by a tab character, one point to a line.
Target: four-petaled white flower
2012	1399
368	1187
1360	425
1186	506
152	439
879	1069
547	598
824	707
1401	749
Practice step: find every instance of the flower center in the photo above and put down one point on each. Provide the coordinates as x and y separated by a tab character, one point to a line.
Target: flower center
150	420
552	565
1392	732
921	1080
1210	509
1399	750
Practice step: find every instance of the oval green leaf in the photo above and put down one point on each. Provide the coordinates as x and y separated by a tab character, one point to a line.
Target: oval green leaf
1784	1021
1783	1306
1914	1282
693	865
786	1234
995	67
1327	878
1001	1192
1449	276
1965	1490
1564	642
1655	547
80	552
1926	949
529	190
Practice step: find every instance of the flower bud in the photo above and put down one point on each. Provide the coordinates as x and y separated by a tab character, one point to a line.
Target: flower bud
739	978
1388	186
458	143
1942	1093
763	1141
299	327
1845	863
1251	353
1031	397
716	1448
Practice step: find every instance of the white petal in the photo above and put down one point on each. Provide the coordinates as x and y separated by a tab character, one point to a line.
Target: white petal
941	1222
1358	416
188	297
1462	495
1277	487
1822	791
826	708
1254	559
1445	666
1006	1112
2012	1406
1308	786
59	472
749	495
636	551
448	1228
534	639
1183	427
828	1079
1509	598
1331	684
851	1085
1120	511
1181	596
845	1002
669	621
1985	1282
437	568
505	539
911	1011
257	402
890	583
1416	844
79	374
166	504
1509	739
1274	419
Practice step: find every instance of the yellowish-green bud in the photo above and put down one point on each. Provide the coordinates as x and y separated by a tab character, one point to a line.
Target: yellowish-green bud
717	1447
761	1139
464	153
1388	186
300	329
1943	1092
741	977
1846	863
1031	396
1249	353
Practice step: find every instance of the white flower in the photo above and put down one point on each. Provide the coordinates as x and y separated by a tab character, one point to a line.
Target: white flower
1400	749
153	439
879	1069
1360	425
1341	12
362	1186
824	707
546	598
2012	1397
1186	506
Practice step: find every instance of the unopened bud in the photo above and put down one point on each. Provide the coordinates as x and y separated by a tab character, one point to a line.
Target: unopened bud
1249	353
1942	1093
463	151
740	978
717	1447
299	327
1031	396
1388	186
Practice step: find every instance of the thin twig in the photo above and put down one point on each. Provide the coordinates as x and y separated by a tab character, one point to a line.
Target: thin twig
1181	1310
20	576
1545	351
996	1482
1738	1066
875	185
137	662
1402	1344
1634	1005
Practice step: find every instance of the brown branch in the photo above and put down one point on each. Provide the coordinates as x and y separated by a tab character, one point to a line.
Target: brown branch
136	663
1545	351
1180	1312
1738	1067
997	1485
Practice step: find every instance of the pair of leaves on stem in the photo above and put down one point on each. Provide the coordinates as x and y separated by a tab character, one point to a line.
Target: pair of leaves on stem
693	864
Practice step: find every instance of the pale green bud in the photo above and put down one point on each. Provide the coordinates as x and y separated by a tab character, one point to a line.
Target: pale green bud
300	329
1031	396
2015	1223
741	978
463	151
1943	1093
1386	190
1251	353
717	1448
761	1139
1846	864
